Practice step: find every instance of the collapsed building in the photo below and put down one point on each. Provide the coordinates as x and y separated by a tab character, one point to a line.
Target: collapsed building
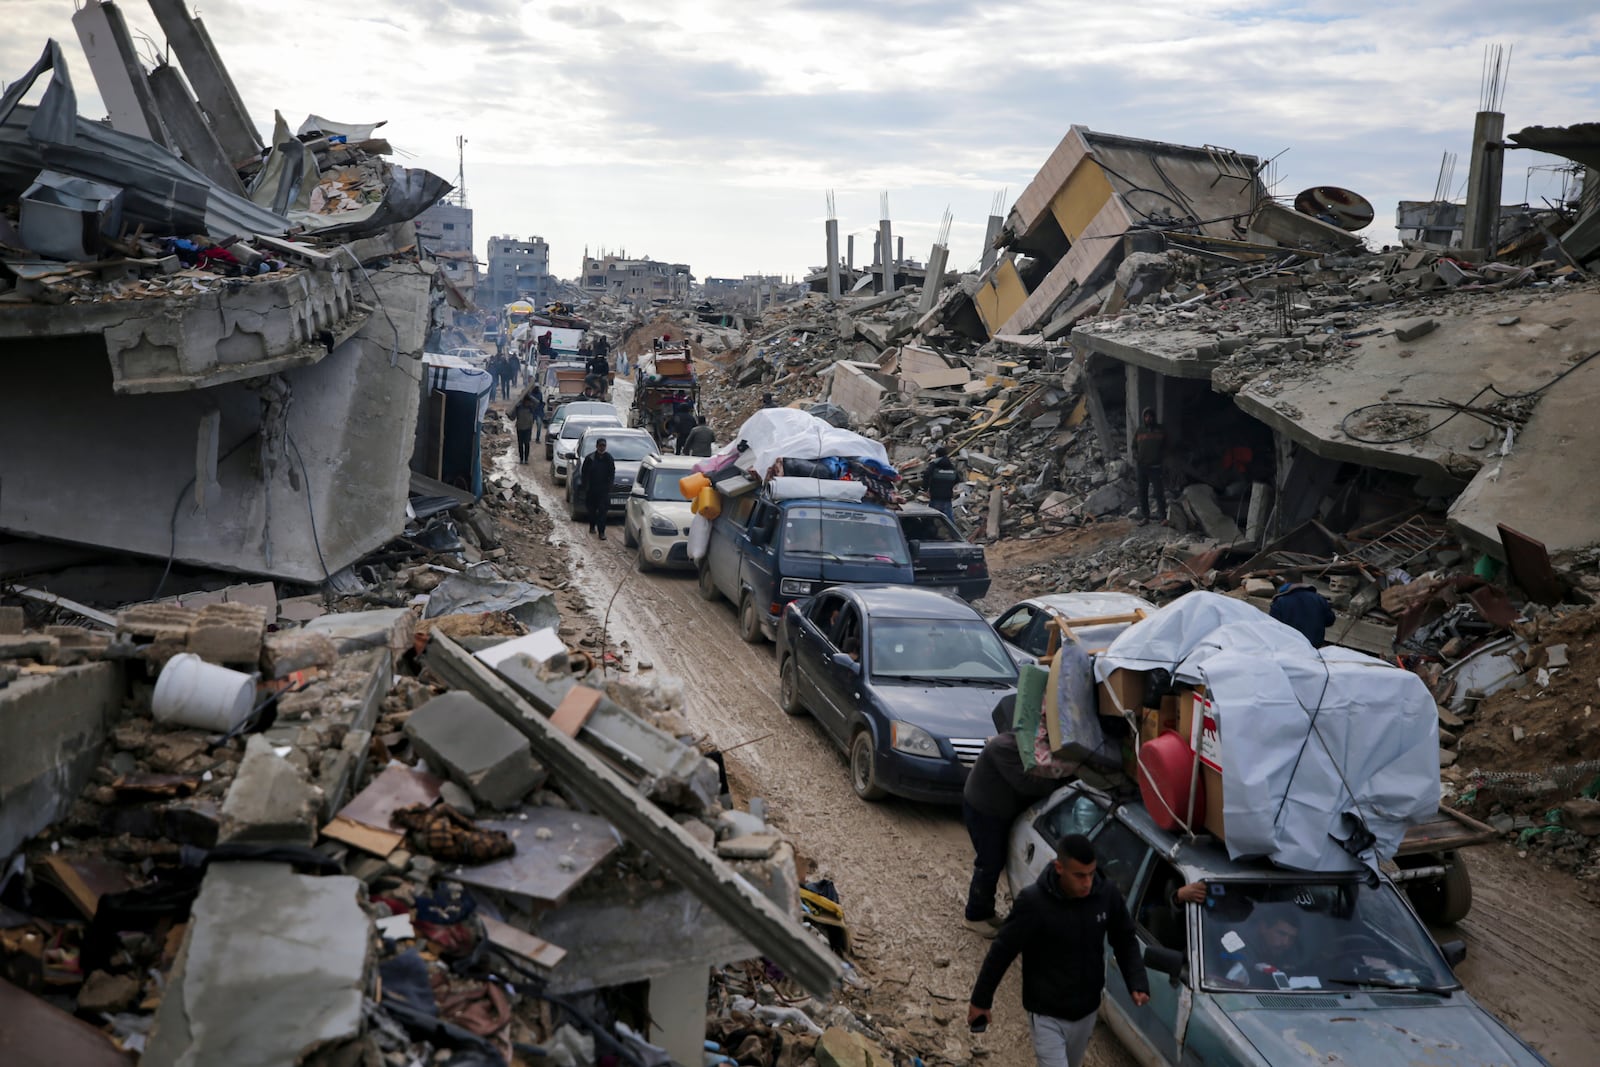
213	339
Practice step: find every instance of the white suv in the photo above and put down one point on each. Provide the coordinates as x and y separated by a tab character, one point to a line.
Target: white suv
566	448
657	518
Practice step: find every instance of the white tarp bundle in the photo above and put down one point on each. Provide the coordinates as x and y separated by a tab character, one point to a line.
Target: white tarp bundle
789	433
1318	747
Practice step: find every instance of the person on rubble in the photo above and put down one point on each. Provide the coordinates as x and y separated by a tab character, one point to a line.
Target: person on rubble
1149	455
599	471
941	479
1300	605
1060	925
702	439
682	424
526	419
998	789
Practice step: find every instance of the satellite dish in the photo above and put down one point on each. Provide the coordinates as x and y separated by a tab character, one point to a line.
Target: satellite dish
1340	207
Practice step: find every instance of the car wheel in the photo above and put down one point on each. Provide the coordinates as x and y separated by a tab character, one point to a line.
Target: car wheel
789	688
864	769
628	540
749	619
706	587
1446	900
641	564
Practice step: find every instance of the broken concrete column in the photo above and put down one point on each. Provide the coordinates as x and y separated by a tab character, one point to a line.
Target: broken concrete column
1201	499
270	801
833	258
933	279
461	737
274	966
108	46
219	98
1481	222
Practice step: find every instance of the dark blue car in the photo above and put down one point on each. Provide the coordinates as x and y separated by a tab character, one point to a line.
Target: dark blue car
903	679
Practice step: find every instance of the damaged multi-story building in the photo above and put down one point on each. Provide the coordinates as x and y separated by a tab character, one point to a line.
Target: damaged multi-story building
213	338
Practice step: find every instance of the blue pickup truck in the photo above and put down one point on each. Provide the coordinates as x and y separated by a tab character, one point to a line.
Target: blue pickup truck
765	553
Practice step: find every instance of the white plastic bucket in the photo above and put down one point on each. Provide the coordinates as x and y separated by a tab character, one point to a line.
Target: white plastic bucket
192	692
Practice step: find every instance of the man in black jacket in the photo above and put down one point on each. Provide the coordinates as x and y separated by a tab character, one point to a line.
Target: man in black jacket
599	470
941	479
998	788
682	424
1060	925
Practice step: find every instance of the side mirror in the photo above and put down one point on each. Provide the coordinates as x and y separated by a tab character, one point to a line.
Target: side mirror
1455	952
840	659
1168	961
760	535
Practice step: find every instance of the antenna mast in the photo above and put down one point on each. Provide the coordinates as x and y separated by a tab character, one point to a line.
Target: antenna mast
460	195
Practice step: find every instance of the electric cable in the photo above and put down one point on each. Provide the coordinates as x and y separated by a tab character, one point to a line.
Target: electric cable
172	524
305	483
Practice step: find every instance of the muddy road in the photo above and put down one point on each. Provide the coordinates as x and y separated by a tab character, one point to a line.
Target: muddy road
902	868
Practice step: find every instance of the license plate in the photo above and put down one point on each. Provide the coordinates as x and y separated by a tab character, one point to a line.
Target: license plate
619	501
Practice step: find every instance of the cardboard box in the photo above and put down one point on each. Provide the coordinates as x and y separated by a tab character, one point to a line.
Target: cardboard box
1197	721
1153	722
1129	688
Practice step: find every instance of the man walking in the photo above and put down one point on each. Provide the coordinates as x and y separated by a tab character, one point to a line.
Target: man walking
998	789
525	418
702	439
1300	605
941	479
597	473
1059	925
536	399
682	423
1149	451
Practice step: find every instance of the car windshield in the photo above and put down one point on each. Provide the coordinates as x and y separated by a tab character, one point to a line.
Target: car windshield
573	428
944	649
627	446
665	484
839	533
1300	936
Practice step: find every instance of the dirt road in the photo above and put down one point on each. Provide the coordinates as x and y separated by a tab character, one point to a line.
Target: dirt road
902	868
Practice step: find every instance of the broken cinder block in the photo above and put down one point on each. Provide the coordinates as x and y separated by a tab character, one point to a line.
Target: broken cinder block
270	800
229	633
463	738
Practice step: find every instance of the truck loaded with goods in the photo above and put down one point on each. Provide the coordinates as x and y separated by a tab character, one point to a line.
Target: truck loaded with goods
1225	722
666	385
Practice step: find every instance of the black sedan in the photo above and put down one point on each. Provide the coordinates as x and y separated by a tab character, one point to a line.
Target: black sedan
903	679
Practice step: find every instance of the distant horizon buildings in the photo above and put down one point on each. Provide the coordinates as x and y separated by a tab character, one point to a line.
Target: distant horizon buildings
445	230
637	281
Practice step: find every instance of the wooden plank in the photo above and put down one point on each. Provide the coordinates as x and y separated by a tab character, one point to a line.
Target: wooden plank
774	933
367	838
575	709
536	950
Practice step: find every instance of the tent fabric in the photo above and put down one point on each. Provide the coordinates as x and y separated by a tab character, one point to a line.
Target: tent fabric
452	374
1318	748
789	433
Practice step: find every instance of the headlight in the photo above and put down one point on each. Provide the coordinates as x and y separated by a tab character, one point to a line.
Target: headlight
912	740
796	587
663	526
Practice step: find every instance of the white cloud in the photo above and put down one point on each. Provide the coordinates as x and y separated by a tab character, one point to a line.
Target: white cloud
707	130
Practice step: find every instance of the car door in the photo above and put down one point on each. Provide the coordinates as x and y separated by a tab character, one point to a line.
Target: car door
758	557
633	518
1071	811
728	539
840	683
813	649
1023	629
1162	921
1126	860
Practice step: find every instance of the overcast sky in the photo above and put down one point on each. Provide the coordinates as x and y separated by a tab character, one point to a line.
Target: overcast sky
708	131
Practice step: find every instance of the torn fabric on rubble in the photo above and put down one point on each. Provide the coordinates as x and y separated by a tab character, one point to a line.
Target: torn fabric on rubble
445	834
1317	748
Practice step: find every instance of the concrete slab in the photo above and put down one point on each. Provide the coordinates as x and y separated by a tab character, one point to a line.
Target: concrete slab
270	801
462	737
354	631
556	849
274	965
54	726
1539	489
